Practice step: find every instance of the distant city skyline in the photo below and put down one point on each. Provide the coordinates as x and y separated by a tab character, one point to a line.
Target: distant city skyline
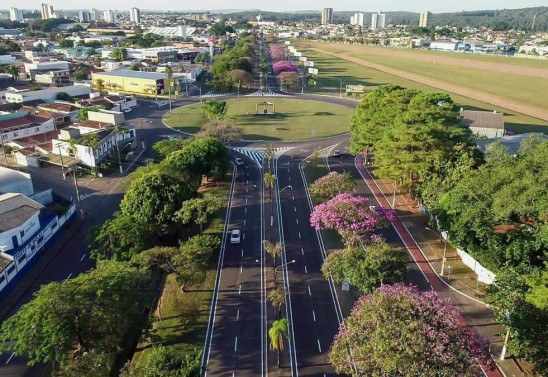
286	5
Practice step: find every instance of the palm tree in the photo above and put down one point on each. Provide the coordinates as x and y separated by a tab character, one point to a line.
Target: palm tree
90	140
274	249
269	181
13	71
269	152
277	298
100	85
277	332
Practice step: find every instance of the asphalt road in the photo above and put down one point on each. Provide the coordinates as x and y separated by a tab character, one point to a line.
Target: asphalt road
235	344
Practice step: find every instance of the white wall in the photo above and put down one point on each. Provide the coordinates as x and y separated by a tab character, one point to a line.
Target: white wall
47	126
30	227
7	59
49	94
22	187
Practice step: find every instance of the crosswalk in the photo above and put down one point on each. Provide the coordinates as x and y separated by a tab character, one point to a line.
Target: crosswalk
213	95
258	154
266	93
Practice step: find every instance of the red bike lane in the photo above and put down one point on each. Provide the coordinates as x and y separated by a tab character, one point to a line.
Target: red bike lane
433	279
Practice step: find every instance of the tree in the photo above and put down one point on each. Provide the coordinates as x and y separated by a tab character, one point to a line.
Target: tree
367	267
513	302
153	199
399	331
199	210
90	140
351	216
93	311
269	182
13	71
332	184
119	54
289	79
277	298
213	109
221	130
164	148
240	78
220	29
192	260
118	238
100	85
273	249
80	75
166	361
284	66
66	43
277	332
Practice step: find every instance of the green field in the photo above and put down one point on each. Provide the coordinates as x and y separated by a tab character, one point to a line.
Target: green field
294	119
332	70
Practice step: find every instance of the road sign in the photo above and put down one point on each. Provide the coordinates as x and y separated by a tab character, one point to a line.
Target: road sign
287	42
298	54
313	71
309	63
355	89
345	285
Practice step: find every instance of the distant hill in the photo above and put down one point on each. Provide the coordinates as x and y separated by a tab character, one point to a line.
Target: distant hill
502	19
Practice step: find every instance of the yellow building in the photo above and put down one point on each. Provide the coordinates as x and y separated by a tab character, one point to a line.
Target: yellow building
134	82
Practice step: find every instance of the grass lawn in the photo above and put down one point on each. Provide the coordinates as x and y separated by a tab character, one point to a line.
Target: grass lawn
332	70
181	317
294	119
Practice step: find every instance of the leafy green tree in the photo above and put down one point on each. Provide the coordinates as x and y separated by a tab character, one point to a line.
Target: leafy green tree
199	210
273	249
66	43
152	200
276	297
367	267
220	29
80	75
213	109
289	79
332	184
221	130
399	331
192	260
93	311
277	332
119	54
164	148
514	304
269	182
166	361
118	238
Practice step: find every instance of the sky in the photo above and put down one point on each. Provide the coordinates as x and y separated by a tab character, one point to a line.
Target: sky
435	6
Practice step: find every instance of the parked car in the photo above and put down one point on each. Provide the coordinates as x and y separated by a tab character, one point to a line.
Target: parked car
239	161
235	236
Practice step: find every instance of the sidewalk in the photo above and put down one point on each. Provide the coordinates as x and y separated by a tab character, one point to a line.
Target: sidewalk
426	247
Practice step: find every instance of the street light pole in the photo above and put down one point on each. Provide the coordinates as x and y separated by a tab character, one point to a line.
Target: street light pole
444	259
281	266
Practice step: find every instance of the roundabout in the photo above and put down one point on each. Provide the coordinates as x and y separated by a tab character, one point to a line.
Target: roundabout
273	119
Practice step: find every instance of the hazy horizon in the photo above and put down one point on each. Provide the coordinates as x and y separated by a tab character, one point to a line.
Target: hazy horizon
287	5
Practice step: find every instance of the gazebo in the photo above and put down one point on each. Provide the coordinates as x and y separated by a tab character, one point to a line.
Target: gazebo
263	108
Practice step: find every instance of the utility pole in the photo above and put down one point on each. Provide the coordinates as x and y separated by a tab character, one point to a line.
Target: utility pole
62	165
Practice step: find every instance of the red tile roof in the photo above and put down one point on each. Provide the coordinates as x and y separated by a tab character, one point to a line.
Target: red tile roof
24	120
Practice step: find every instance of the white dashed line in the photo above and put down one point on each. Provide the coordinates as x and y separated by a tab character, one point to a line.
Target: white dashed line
309	292
319	346
297	220
245	209
243	236
238	315
240	289
13	354
242	253
302	251
305	270
292	197
247	181
314	315
299	235
244	222
83	256
68	277
246	199
294	209
236	344
241	269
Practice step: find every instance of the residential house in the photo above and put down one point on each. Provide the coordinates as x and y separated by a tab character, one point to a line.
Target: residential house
484	124
15	181
49	94
23	124
63	112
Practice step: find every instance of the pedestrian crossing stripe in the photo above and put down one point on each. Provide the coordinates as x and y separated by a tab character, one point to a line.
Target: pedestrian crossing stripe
211	95
258	154
267	93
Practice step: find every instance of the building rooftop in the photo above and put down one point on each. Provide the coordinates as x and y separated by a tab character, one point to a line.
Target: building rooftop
512	142
482	119
134	74
15	209
9	176
58	106
20	119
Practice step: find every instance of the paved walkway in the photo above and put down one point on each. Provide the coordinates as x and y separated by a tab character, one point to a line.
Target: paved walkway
429	263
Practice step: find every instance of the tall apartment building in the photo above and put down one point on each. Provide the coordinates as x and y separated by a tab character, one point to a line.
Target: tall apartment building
357	19
110	15
327	16
16	14
95	14
84	16
46	11
423	19
378	21
135	15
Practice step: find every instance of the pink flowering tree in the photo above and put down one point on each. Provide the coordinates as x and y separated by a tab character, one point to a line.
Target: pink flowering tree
399	331
351	216
284	66
277	51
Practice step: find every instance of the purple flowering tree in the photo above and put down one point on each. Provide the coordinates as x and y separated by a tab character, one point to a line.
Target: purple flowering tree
351	216
284	66
277	51
399	331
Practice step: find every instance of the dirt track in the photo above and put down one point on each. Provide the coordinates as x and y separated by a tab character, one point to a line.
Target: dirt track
493	99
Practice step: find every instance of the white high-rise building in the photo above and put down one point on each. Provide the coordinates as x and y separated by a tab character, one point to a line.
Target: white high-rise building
357	19
95	14
378	21
46	11
327	16
135	15
16	14
84	16
423	19
110	15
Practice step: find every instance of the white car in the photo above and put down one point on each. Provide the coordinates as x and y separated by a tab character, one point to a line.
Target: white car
235	236
239	161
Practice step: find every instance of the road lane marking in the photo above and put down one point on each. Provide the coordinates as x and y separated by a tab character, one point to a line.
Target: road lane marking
244	222
247	181
246	199
13	354
302	251
245	210
236	344
247	191
271	220
294	209
289	178
309	293
299	235
319	346
243	236
297	220
242	253
238	315
241	268
83	256
68	277
313	315
240	289
305	270
292	197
